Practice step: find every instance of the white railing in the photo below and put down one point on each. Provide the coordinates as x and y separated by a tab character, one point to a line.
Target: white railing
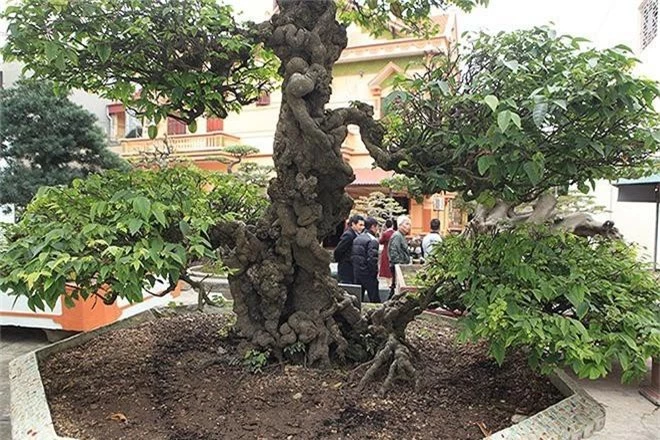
179	144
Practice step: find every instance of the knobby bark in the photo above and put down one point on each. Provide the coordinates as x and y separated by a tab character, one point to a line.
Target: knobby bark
282	289
503	216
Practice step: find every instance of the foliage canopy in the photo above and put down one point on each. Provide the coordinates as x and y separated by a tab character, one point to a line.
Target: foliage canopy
187	57
378	206
518	113
119	232
572	301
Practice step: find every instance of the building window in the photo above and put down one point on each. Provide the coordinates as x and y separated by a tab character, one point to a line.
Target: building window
649	16
214	124
391	102
174	126
133	126
264	99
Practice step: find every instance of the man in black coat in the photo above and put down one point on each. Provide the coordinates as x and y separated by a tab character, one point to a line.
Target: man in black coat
365	259
343	250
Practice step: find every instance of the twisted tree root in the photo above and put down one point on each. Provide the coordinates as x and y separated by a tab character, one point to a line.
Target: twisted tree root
396	354
391	321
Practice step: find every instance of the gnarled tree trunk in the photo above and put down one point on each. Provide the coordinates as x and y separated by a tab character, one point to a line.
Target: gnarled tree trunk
283	292
282	289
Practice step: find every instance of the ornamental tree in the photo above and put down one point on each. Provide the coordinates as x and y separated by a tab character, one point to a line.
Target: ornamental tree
378	206
510	122
570	301
192	58
516	115
46	140
114	234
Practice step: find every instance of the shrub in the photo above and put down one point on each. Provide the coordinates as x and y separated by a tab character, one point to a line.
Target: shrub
118	232
570	301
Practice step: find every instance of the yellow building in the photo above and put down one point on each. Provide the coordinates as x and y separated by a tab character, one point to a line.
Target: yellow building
365	72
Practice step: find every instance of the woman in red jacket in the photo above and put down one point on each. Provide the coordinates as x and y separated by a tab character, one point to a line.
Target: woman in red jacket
384	270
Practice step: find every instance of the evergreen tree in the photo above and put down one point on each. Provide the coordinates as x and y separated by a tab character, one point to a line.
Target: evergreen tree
46	140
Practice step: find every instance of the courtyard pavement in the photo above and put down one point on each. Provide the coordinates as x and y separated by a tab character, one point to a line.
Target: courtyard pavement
14	342
629	416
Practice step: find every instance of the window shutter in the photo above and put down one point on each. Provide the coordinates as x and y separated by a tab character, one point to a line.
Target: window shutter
214	124
174	126
264	99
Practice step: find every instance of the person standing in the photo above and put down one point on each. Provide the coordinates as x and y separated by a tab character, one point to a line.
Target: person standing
431	239
364	256
385	241
398	249
342	252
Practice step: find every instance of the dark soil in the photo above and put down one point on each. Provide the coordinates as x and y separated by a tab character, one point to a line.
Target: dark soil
160	381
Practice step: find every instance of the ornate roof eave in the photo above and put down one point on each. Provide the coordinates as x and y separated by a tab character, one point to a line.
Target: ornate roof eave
393	49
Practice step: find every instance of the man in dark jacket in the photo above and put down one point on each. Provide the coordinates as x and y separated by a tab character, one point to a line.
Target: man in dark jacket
365	259
343	250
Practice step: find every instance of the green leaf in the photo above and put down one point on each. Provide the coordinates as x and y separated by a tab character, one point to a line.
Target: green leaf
583	188
582	309
185	228
534	172
575	295
513	65
103	51
192	127
143	206
444	87
497	350
159	215
134	225
516	119
598	147
503	120
560	103
484	163
68	302
492	102
623	359
51	50
539	113
656	135
152	131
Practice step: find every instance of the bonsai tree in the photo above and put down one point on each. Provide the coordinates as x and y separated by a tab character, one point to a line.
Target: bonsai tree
237	153
510	122
46	140
378	206
194	58
191	58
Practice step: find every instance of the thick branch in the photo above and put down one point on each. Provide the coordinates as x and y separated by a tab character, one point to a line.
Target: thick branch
543	209
372	133
585	225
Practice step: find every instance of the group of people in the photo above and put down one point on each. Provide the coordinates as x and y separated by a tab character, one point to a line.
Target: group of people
357	253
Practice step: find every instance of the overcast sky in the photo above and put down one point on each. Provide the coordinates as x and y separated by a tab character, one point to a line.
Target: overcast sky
606	22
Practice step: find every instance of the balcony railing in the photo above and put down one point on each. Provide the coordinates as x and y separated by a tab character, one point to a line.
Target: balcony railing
180	144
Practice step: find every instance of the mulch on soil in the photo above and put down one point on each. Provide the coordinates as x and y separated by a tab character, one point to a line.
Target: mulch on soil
159	381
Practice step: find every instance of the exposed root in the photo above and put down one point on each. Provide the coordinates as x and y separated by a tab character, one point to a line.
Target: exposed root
397	356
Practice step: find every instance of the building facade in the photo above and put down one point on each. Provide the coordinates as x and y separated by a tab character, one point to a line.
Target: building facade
364	72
